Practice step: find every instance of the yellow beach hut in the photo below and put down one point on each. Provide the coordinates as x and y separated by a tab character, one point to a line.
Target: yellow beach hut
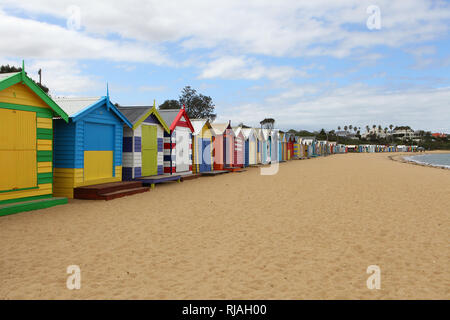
26	133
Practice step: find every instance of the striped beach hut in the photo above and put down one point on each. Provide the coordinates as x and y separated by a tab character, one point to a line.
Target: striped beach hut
177	143
143	143
26	133
280	145
223	143
88	149
251	146
239	147
290	146
202	146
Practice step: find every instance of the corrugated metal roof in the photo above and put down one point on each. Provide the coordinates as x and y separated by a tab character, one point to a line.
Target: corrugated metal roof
72	106
134	113
198	125
219	128
169	115
3	76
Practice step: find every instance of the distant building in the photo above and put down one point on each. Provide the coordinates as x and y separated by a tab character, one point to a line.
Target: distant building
346	134
439	135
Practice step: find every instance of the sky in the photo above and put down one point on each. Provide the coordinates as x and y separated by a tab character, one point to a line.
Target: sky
307	64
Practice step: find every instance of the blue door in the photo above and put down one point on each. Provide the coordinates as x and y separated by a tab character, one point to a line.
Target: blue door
205	164
247	146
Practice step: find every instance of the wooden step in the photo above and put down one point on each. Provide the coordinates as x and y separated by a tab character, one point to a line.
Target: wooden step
99	189
123	193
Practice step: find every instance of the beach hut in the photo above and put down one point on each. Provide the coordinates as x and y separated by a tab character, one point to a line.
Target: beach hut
202	146
88	149
223	143
271	145
26	133
143	143
177	143
260	145
251	143
290	146
239	147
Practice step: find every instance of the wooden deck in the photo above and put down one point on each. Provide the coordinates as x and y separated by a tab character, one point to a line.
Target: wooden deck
162	178
214	173
109	191
233	169
190	176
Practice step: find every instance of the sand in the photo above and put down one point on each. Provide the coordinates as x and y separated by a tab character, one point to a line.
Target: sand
309	232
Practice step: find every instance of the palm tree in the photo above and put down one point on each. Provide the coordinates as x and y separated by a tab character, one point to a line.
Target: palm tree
390	127
350	127
345	128
339	128
367	128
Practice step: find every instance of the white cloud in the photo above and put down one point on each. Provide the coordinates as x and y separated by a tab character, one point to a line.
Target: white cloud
232	68
64	78
287	28
39	40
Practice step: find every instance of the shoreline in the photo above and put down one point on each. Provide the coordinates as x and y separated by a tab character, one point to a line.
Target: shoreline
402	158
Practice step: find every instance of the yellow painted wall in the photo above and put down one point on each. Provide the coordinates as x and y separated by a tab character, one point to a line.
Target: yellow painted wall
65	180
44	123
22	95
25	159
17	149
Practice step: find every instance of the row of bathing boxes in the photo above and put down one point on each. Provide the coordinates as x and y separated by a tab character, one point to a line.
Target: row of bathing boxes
89	148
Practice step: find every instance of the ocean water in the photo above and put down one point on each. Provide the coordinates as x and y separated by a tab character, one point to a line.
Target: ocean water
438	159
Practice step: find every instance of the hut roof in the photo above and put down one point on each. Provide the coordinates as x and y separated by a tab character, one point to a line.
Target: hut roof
11	78
198	125
219	128
137	114
172	116
77	107
72	106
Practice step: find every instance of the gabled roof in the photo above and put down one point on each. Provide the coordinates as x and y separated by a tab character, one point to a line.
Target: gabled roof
78	107
172	116
73	106
249	131
237	131
198	125
137	114
219	128
259	133
9	79
266	133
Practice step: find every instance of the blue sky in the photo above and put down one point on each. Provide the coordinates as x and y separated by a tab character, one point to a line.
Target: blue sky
309	65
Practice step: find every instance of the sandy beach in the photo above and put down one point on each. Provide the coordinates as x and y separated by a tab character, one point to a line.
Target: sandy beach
309	232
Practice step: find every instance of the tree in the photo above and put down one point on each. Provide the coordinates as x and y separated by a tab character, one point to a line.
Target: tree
170	104
322	135
339	128
267	123
7	69
197	105
345	128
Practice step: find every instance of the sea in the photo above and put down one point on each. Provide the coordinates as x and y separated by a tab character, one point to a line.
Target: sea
436	159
